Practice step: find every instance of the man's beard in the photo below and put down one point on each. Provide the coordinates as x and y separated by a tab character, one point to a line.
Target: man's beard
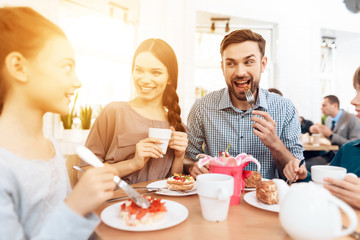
240	95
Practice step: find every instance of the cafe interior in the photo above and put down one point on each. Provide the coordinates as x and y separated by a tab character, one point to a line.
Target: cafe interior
313	50
312	46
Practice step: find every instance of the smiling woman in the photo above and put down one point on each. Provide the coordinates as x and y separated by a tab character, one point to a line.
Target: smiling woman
119	135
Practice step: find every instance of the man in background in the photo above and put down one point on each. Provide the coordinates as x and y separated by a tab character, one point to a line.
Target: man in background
340	127
275	90
305	124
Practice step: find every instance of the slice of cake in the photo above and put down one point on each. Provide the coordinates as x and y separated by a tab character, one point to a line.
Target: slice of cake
134	215
180	182
267	192
252	179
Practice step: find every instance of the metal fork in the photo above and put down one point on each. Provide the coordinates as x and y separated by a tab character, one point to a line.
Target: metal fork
250	98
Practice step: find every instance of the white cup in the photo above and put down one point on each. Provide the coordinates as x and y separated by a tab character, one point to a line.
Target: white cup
215	191
319	172
163	134
316	139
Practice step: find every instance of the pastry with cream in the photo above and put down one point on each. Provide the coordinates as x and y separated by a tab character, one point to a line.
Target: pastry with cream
252	179
180	182
267	192
134	215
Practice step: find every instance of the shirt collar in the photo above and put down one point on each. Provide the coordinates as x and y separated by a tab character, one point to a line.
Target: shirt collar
356	143
225	101
337	117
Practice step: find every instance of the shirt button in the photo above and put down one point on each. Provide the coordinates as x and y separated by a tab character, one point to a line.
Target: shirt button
241	137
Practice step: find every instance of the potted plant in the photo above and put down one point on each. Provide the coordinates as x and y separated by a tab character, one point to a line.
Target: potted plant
67	119
70	135
85	117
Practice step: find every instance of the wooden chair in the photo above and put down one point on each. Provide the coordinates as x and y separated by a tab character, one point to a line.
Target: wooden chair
72	160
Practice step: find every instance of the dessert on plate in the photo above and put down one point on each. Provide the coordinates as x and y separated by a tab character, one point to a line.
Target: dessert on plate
267	192
252	179
133	215
180	182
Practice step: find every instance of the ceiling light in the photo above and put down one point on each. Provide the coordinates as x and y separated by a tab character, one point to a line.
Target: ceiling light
217	19
227	28
212	27
332	45
323	44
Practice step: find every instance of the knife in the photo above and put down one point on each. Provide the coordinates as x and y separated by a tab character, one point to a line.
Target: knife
89	157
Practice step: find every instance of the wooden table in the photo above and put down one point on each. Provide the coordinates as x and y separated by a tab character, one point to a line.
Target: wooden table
310	147
243	222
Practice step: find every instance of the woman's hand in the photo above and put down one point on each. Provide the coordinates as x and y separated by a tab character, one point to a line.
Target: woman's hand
146	149
178	142
93	188
347	190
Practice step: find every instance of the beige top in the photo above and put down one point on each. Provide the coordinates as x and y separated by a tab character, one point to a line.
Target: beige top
114	136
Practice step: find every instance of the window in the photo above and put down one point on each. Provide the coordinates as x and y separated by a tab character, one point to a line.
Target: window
104	46
208	74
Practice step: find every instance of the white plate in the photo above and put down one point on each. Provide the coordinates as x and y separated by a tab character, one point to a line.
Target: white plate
176	213
167	192
251	199
253	189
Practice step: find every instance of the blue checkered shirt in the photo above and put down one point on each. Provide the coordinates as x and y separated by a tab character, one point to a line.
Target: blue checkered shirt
214	121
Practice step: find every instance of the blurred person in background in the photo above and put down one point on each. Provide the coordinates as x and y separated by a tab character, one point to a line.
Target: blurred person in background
275	90
348	157
340	127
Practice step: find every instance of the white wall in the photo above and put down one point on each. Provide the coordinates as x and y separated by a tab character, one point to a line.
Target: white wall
174	22
298	53
299	25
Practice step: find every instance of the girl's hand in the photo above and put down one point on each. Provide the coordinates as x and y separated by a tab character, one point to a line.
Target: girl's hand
178	142
146	149
93	188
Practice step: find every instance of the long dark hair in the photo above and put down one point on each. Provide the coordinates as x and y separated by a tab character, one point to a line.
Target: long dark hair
356	79
164	52
25	31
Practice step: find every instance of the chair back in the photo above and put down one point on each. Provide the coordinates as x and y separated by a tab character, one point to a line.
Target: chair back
72	160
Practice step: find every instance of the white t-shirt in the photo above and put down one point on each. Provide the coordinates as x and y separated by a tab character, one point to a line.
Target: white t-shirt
32	194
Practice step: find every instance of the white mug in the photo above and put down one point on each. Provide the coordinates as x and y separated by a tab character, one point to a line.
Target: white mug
319	172
316	139
215	191
163	134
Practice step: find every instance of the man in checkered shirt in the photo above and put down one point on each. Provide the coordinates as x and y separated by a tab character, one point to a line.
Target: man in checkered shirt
270	132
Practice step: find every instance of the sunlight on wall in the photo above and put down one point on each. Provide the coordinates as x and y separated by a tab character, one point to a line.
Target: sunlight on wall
104	48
